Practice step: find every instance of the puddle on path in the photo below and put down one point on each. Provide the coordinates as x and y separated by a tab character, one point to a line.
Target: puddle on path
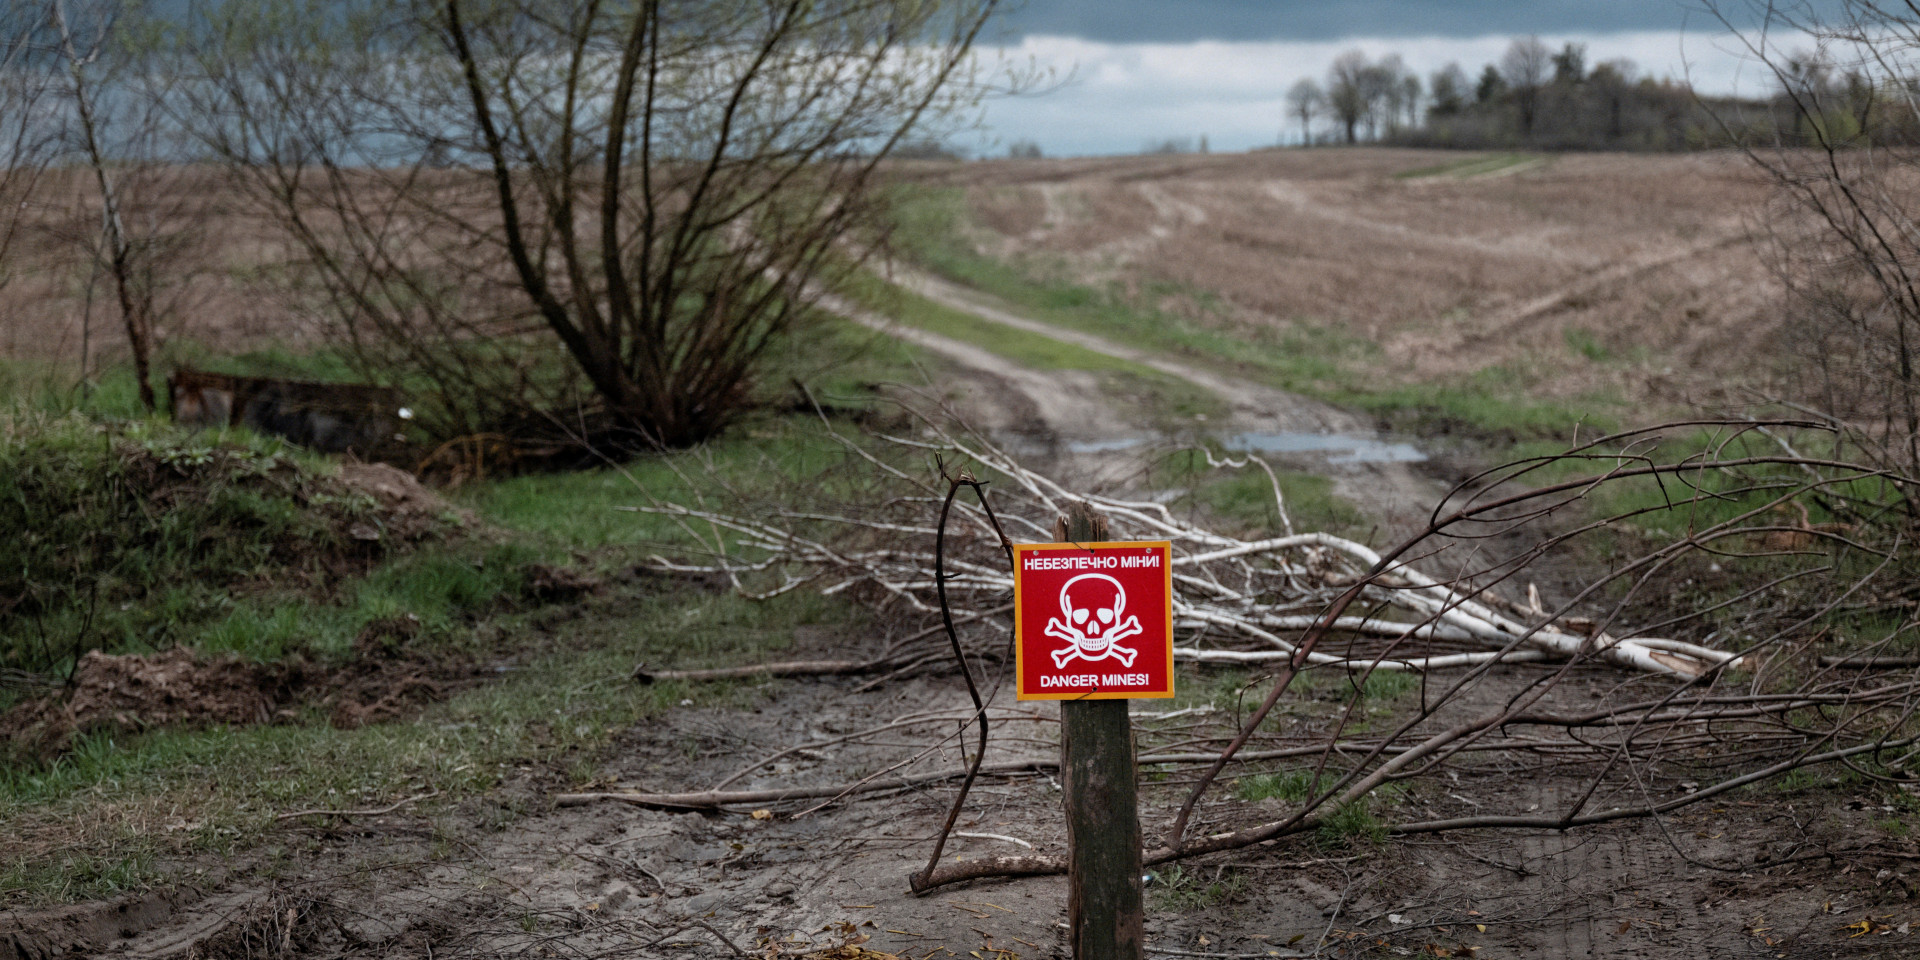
1340	447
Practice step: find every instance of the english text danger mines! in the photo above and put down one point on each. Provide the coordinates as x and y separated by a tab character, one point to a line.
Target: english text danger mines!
1096	681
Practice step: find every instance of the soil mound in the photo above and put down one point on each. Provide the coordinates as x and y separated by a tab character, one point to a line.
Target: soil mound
137	691
411	510
386	679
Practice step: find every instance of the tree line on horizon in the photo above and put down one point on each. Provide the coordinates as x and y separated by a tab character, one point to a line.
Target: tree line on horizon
1535	97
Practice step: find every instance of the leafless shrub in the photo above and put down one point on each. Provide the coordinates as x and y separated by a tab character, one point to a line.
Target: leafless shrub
26	130
605	214
1838	149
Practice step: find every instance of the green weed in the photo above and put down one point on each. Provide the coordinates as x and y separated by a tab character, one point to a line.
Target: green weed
1584	343
1388	685
1179	890
1292	786
1351	824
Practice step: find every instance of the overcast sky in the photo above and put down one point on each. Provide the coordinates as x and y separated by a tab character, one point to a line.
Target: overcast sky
1141	71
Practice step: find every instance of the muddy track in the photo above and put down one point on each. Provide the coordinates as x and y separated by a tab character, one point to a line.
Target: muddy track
606	879
1391	493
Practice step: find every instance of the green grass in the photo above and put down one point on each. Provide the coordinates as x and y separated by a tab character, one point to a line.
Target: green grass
1468	167
1293	786
1301	357
1242	497
1180	890
1167	395
1389	685
112	516
1583	342
1353	824
124	804
33	387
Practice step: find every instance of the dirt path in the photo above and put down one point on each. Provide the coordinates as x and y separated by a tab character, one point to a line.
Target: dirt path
606	879
1390	492
1040	410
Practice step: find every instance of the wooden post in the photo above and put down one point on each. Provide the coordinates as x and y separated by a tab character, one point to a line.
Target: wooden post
1105	914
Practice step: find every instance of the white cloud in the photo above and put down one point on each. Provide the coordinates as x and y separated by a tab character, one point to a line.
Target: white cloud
1118	97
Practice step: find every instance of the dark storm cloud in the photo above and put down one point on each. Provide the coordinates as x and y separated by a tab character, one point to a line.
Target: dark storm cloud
1182	21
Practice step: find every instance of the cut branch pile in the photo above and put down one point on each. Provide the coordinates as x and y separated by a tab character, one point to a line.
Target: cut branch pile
1686	722
1236	601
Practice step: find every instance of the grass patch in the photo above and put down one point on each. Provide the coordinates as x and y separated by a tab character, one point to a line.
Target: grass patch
127	531
1351	824
104	817
1292	786
1243	497
1389	685
1180	890
1469	167
1170	395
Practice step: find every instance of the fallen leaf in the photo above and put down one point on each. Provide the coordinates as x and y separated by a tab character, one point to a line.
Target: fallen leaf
763	814
1204	941
1625	925
1480	927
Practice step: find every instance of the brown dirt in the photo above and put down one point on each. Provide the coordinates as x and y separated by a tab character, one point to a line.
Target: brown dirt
413	510
385	679
1644	257
473	879
1762	874
136	691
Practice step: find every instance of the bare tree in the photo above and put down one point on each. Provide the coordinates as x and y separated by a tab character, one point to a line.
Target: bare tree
1450	88
1304	102
1570	65
112	106
1841	227
658	190
26	140
1346	91
1524	68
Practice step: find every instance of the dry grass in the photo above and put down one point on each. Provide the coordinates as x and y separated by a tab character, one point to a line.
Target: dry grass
1629	274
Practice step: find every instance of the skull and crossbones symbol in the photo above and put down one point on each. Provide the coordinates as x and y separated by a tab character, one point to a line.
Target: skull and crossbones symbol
1091	607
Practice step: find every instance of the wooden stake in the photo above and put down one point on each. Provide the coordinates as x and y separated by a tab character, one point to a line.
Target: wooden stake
1105	913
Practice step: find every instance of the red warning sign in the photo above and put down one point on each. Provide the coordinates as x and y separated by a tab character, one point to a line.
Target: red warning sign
1093	621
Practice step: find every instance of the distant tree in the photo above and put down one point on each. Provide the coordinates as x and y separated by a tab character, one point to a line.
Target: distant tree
1491	86
1379	96
1448	87
1387	93
1570	65
1611	83
1346	93
1304	102
1024	150
1524	67
1410	93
